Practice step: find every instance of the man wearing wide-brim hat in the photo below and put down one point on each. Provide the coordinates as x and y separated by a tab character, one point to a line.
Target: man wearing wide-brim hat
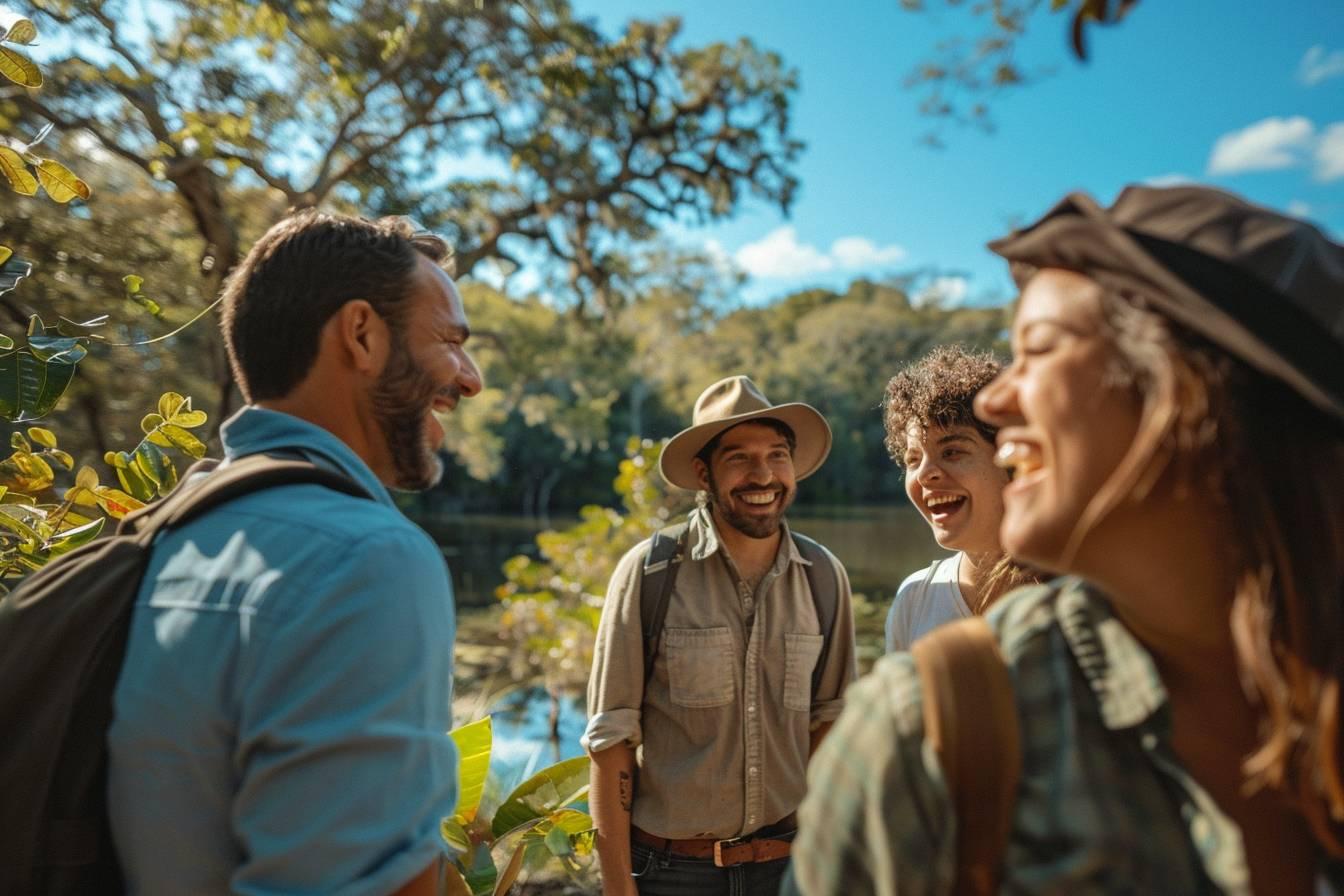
724	647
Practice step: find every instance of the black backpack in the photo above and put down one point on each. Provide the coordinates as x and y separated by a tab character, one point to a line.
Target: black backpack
660	573
63	636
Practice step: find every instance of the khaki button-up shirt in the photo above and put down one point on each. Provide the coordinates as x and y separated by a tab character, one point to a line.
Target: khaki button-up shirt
723	728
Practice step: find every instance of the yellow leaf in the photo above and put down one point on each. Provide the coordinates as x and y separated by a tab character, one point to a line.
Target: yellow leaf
16	171
60	182
170	403
5	254
22	31
87	477
19	68
115	502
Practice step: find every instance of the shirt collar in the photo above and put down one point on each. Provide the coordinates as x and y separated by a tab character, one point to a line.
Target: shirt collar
1117	667
255	430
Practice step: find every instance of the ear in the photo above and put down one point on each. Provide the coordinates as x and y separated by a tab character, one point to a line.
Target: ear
701	472
362	336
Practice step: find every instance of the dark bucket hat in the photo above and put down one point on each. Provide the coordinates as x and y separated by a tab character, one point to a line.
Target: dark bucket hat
1267	288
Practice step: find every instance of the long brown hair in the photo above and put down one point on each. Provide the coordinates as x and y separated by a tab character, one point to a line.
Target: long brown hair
1276	466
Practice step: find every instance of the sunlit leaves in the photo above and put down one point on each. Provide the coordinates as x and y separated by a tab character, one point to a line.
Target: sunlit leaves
60	182
473	749
133	284
15	170
19	68
16	28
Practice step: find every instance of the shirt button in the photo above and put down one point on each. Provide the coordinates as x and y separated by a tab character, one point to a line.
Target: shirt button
751	819
751	707
752	771
1149	741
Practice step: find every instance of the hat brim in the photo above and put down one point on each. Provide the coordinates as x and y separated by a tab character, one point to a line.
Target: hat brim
676	463
1079	235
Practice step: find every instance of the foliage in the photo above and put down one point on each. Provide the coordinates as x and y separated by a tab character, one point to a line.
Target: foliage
531	827
552	605
959	80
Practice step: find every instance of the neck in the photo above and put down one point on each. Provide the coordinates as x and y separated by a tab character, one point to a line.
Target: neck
972	571
342	419
1173	587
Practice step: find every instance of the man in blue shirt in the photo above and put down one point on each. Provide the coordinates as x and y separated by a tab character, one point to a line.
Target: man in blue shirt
280	720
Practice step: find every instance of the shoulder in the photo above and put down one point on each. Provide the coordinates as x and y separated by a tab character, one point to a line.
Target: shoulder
1025	620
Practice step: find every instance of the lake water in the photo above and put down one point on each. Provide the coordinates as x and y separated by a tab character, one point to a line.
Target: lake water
878	545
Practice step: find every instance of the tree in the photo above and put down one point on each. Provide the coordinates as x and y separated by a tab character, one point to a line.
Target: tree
962	76
589	141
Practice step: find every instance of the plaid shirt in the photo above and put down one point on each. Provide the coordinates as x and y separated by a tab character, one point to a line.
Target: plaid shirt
1103	805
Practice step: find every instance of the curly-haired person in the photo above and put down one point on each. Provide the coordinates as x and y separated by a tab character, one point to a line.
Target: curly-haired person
951	478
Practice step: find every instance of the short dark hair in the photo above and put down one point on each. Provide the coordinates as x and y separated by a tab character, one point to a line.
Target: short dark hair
299	274
937	390
779	426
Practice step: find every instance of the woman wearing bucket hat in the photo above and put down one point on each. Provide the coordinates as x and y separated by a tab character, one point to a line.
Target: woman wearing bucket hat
1174	420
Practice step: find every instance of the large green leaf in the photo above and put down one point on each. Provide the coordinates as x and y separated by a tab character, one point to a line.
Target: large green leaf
453	834
473	747
154	466
545	792
30	387
136	483
70	539
481	875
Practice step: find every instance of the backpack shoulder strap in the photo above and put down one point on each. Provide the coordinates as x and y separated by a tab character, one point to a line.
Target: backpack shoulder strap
821	581
970	719
233	480
666	550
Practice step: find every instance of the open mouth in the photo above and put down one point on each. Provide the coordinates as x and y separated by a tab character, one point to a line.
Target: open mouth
758	499
944	507
1018	458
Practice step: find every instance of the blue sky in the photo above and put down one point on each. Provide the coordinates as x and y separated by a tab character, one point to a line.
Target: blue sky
1250	99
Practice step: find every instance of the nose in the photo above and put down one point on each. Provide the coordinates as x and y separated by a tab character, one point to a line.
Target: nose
928	472
996	403
760	472
469	378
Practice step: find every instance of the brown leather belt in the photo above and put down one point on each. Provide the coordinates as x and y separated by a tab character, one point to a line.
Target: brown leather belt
758	847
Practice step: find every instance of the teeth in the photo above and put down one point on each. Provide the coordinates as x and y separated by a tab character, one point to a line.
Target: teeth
940	500
1018	457
759	499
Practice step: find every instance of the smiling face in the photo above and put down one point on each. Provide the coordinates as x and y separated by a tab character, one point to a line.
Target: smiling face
427	372
1065	424
951	478
749	479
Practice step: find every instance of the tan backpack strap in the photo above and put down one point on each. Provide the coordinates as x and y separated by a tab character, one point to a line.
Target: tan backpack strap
970	719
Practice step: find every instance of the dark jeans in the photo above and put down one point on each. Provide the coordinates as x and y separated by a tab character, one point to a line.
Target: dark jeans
661	874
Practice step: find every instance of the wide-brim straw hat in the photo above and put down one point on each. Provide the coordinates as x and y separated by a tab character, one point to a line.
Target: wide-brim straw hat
1265	287
735	400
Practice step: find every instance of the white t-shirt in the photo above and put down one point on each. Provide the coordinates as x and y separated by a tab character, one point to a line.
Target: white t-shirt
925	600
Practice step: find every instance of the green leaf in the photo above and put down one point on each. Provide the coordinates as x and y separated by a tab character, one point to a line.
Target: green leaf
31	386
183	440
19	443
170	403
19	68
44	437
548	790
85	330
481	876
70	539
452	832
62	458
473	747
557	841
152	464
150	422
116	459
135	482
9	521
60	182
15	170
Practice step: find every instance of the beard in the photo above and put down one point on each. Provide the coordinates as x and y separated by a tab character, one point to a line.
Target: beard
402	398
750	525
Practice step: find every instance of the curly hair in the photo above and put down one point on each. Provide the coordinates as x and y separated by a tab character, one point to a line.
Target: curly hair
937	390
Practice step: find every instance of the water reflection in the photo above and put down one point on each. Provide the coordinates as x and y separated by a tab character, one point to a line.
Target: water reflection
522	735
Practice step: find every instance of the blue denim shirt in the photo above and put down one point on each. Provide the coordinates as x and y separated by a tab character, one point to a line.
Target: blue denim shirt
280	721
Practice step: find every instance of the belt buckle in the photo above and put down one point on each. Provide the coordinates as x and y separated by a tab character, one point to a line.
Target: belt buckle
718	851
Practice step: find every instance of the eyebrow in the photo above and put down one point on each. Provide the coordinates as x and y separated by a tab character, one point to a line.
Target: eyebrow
954	437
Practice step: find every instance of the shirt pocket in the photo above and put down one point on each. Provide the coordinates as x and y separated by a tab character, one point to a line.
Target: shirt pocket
699	666
801	653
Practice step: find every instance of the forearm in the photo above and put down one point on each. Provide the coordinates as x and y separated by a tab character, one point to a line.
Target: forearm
611	797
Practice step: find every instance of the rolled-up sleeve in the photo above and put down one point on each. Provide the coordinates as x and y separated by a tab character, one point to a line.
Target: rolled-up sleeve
877	818
346	703
616	685
841	661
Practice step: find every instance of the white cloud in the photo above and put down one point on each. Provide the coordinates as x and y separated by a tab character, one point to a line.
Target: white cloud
779	255
941	292
1318	65
861	252
1330	153
1266	145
